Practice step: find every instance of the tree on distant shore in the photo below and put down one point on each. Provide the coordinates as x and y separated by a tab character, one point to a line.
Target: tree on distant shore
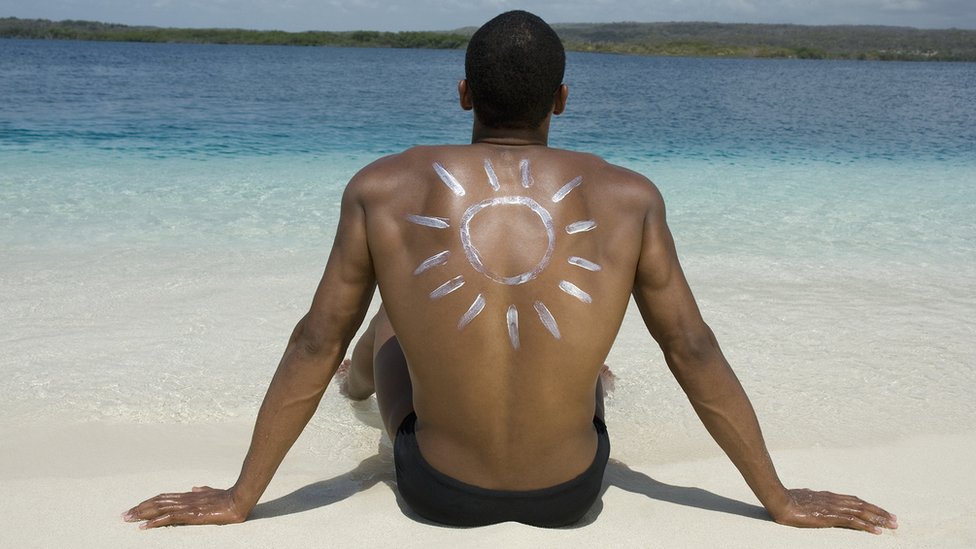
671	39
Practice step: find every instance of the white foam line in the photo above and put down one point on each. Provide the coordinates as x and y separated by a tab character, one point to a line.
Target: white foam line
492	178
581	226
447	287
567	188
573	290
547	319
473	311
584	264
513	332
474	256
432	261
448	179
426	221
526	176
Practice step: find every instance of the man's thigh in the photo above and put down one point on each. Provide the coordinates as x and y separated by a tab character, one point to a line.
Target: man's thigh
394	392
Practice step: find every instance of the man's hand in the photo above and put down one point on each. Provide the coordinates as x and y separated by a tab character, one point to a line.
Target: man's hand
809	509
204	505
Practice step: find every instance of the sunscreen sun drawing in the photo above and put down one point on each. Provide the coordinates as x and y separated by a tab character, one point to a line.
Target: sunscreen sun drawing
474	256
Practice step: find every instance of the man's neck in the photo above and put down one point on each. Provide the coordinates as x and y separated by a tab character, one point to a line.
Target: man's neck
510	136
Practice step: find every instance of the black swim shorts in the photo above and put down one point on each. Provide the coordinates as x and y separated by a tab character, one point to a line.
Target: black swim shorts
440	498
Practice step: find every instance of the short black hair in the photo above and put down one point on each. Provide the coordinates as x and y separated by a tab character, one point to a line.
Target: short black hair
514	65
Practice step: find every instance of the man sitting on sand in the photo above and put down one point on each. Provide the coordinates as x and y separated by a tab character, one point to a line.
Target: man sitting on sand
505	269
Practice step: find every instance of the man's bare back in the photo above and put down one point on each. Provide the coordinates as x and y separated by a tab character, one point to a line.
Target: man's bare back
505	268
506	271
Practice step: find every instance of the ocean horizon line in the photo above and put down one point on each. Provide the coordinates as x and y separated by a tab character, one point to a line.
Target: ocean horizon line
672	39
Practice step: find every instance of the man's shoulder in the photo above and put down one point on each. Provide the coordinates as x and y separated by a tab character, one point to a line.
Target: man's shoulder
595	162
403	163
381	175
625	183
384	175
421	157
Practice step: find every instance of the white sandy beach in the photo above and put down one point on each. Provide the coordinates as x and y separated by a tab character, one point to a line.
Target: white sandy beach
166	211
67	489
129	373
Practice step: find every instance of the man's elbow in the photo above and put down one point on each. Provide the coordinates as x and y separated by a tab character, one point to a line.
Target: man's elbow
310	342
692	351
311	346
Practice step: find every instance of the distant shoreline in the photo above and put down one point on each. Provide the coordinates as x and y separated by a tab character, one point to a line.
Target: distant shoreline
655	39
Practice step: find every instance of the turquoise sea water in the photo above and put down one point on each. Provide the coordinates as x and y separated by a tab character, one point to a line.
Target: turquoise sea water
809	200
163	142
147	141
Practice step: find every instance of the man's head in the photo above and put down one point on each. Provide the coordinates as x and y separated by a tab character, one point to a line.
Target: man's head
514	67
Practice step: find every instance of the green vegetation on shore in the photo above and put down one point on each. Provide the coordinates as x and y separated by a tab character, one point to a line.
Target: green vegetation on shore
793	41
668	39
88	30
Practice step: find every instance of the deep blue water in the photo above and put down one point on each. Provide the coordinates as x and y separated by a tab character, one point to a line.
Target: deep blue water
123	145
200	101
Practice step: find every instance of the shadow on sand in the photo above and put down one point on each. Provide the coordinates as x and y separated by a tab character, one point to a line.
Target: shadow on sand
379	468
619	475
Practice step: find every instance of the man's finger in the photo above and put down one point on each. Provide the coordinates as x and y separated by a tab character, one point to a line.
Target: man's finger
855	523
143	511
868	512
164	520
152	507
879	517
857	519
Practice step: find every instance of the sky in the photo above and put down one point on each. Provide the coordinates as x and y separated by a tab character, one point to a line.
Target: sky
395	15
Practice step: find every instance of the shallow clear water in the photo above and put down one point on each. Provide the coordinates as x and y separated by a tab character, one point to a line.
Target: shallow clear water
821	209
221	140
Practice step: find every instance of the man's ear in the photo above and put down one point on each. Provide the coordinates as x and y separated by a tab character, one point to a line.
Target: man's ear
559	103
464	95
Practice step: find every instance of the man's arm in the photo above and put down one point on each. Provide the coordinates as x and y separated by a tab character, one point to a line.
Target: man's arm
313	354
694	357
